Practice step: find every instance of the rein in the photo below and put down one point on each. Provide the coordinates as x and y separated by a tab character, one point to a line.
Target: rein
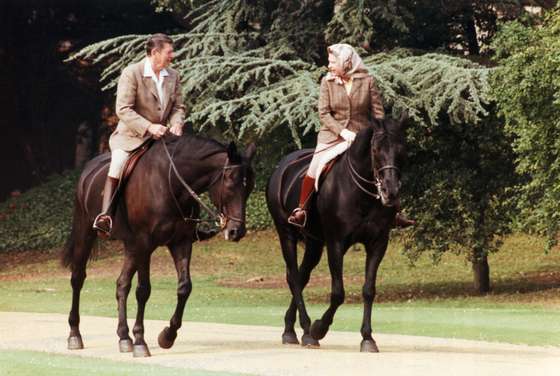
356	177
220	218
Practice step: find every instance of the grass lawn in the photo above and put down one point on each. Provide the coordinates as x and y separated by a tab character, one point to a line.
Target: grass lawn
244	283
32	363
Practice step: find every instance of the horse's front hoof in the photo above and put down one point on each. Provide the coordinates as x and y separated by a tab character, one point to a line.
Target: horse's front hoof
369	345
140	351
75	343
289	338
166	338
318	330
125	345
309	342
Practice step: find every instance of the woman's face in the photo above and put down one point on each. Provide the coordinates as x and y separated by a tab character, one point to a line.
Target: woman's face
334	67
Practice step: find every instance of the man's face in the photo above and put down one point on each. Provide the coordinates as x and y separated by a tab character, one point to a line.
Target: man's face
161	58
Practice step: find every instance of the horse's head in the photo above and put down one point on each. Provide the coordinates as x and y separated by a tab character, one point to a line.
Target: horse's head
387	155
230	191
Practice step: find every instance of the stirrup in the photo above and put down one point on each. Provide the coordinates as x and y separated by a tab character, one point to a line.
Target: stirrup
292	222
102	230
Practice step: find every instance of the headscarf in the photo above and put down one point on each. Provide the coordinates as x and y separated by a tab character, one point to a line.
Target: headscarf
348	59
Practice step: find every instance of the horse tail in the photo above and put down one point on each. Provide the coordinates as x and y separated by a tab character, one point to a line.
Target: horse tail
78	247
67	255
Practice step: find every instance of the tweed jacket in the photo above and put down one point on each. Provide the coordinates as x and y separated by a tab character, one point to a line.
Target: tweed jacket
338	110
138	106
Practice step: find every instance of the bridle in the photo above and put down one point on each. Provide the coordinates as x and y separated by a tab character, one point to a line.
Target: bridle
220	218
360	181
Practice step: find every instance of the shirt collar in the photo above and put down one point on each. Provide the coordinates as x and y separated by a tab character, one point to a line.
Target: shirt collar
149	72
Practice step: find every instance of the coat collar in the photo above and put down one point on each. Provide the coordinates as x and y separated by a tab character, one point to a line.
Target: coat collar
149	72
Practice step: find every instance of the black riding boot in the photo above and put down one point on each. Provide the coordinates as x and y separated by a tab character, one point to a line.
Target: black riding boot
104	222
401	221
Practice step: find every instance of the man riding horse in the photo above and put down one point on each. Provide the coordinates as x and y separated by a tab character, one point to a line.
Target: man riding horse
148	100
348	99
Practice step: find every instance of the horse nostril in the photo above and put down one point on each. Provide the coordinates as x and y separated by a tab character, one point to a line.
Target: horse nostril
232	233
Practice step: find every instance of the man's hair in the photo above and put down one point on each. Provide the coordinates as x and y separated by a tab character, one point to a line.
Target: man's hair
157	42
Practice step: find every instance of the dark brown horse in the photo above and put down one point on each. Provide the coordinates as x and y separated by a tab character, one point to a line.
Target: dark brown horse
355	204
157	209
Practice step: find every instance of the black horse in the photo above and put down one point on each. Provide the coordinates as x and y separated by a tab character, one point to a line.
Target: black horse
157	209
356	203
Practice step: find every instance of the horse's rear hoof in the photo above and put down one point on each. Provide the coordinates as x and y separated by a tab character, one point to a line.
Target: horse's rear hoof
75	343
166	338
140	351
318	330
289	338
309	342
125	345
369	345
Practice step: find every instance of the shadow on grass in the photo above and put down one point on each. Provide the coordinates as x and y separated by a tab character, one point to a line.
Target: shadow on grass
530	284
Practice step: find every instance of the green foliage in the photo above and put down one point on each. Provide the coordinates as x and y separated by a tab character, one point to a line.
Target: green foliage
258	217
526	87
41	217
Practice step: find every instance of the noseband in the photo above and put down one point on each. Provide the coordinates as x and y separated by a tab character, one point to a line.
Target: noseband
220	218
224	218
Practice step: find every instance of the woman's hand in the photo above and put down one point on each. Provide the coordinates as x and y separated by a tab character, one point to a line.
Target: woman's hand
177	130
348	136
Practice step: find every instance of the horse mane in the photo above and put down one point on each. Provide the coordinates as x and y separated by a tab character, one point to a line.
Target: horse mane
195	147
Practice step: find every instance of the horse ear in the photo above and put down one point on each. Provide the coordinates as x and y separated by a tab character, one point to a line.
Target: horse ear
250	151
232	152
377	123
403	119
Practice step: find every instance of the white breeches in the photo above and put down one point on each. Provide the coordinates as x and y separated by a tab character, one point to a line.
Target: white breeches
118	159
324	153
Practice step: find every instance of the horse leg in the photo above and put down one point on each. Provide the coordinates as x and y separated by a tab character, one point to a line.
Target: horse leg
311	257
336	252
76	256
288	243
140	348
181	254
374	254
123	289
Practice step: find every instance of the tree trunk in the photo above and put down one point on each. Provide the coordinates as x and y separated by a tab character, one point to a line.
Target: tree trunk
481	271
470	32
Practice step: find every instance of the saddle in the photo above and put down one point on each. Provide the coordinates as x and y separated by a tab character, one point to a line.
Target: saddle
133	159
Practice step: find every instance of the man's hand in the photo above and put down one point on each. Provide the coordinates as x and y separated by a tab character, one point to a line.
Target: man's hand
348	136
177	130
157	130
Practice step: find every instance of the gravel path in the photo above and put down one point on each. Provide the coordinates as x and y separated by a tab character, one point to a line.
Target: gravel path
257	350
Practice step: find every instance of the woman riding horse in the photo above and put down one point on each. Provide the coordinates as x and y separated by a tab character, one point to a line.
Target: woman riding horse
348	100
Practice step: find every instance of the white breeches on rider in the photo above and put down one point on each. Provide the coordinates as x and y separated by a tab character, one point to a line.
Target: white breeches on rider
118	159
324	153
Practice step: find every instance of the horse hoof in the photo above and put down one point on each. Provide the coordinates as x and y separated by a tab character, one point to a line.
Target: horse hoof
140	351
75	343
318	330
289	338
309	342
369	345
125	345
166	338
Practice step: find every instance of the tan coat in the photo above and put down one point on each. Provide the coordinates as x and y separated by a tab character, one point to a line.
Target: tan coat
138	106
338	110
